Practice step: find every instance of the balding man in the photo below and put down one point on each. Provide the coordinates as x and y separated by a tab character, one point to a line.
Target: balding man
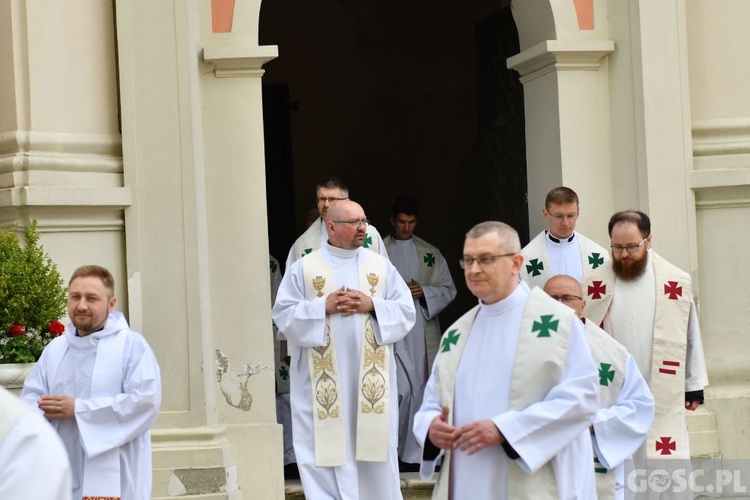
626	406
513	389
341	309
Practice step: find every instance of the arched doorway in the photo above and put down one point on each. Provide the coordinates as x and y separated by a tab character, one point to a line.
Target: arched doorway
396	99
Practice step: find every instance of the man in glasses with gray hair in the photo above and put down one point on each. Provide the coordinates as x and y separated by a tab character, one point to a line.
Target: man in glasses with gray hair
646	304
513	389
560	249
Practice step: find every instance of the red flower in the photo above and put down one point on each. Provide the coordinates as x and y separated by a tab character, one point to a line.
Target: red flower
17	330
56	328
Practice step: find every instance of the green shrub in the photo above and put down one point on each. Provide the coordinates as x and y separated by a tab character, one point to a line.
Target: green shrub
32	297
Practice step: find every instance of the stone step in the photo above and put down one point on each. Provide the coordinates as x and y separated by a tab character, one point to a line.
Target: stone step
412	487
704	434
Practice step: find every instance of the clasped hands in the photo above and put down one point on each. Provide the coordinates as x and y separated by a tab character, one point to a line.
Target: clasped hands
470	438
348	301
55	407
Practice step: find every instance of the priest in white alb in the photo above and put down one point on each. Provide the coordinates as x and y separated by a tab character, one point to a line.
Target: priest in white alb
100	387
426	273
341	309
560	249
626	406
329	191
646	304
513	390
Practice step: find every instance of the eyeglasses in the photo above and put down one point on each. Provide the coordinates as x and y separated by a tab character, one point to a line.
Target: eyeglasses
483	261
562	217
329	199
353	223
630	248
566	298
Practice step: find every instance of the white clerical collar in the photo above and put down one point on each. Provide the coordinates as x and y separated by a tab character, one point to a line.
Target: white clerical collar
516	298
343	253
559	241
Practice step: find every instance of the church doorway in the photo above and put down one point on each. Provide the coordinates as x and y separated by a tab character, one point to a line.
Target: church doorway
395	98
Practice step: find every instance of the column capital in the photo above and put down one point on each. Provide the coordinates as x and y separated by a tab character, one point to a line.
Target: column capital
237	58
552	55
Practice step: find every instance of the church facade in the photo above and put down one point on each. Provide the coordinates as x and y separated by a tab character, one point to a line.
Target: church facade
132	131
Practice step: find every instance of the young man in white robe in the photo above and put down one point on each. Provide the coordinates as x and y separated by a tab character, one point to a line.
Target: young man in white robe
560	249
626	406
426	273
341	309
646	304
328	192
33	461
100	387
513	390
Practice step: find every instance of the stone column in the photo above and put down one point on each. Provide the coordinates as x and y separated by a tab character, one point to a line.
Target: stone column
197	250
60	147
566	98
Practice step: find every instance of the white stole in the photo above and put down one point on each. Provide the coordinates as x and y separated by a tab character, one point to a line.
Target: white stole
374	366
542	341
668	435
430	260
537	266
611	359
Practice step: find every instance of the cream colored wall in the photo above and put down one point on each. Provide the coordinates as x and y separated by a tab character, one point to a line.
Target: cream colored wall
719	78
566	99
197	250
60	148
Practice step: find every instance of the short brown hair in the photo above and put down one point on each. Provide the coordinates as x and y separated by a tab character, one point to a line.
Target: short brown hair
636	217
560	196
94	271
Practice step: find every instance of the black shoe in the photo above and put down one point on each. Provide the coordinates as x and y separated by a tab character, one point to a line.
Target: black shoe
407	467
291	471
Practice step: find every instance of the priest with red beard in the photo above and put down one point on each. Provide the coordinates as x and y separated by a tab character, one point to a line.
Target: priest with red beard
646	304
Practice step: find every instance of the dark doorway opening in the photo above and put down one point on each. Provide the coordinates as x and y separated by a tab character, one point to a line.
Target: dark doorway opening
396	98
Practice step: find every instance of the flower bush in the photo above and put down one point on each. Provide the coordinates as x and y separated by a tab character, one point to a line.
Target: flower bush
32	297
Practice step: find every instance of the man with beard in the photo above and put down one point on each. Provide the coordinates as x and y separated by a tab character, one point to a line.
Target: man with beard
341	309
329	192
99	385
646	304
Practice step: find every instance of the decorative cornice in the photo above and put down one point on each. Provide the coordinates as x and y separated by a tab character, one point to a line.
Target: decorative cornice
560	55
231	59
721	137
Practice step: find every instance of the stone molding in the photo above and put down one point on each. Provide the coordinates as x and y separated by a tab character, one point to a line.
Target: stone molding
238	59
560	55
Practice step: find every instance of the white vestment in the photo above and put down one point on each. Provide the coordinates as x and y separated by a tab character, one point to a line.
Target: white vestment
283	407
412	357
118	423
630	319
302	323
546	256
555	428
307	242
621	427
33	462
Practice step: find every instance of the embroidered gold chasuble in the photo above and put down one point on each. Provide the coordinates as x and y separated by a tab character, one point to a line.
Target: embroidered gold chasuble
374	376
